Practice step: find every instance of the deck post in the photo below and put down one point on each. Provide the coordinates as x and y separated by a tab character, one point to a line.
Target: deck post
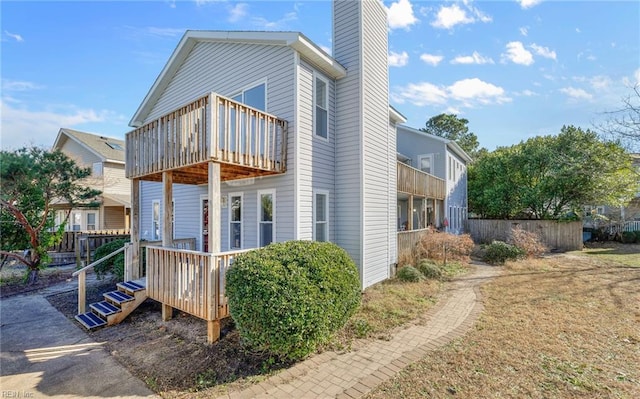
135	269
167	227
213	193
213	330
410	213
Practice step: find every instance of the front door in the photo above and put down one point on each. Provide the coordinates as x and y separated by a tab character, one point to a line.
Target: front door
205	225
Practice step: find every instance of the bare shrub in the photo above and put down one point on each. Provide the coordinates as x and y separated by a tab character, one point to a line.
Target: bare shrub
527	241
444	247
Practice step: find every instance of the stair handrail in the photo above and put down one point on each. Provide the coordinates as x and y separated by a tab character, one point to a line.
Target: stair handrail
82	279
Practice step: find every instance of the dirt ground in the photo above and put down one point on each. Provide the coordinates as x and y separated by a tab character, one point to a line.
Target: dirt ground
12	277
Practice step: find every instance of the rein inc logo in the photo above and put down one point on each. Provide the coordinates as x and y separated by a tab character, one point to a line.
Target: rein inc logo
17	394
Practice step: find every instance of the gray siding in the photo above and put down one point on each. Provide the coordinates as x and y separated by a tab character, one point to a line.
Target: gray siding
364	142
227	68
414	144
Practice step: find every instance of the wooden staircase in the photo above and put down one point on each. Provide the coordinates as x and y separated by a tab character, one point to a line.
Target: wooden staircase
117	305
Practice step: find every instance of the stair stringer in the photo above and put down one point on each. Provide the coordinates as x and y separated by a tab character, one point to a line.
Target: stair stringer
127	308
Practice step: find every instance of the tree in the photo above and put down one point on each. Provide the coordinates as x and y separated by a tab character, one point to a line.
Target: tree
624	123
546	177
32	179
451	127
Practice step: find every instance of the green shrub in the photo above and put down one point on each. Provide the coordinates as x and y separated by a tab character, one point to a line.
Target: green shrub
499	252
288	298
628	237
429	269
637	232
113	265
409	274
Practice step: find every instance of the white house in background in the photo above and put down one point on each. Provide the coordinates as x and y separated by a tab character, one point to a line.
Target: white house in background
444	159
105	157
247	138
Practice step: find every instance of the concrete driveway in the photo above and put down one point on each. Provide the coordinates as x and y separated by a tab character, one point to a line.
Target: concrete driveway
43	354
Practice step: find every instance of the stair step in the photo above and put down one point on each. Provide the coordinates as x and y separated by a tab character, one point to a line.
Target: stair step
90	320
118	297
104	308
131	286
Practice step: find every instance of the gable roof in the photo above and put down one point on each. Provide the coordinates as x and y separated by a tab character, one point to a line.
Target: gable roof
108	149
295	40
451	145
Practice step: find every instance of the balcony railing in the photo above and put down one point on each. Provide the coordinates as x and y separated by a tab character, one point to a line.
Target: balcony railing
416	182
211	128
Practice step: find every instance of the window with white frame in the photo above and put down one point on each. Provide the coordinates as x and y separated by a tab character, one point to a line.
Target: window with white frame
255	96
155	220
76	221
91	221
425	162
321	216
235	221
266	217
97	169
321	106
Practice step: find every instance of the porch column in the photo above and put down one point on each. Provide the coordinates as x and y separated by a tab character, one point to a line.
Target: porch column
410	213
135	229
167	227
213	194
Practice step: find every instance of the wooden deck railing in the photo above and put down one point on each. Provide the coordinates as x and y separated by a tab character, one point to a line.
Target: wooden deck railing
212	127
190	281
416	182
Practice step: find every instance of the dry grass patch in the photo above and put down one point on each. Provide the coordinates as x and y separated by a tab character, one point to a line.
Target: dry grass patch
626	254
560	327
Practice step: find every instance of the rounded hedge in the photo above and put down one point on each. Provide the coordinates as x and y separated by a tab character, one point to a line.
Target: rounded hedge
409	274
288	298
498	252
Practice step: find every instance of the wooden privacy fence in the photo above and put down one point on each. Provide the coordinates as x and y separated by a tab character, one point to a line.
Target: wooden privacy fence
564	236
68	243
407	241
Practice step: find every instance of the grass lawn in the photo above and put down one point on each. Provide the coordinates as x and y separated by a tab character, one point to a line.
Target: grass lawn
567	326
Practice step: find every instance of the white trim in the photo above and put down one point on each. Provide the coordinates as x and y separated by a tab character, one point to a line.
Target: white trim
154	236
326	211
201	225
316	77
229	221
272	192
296	137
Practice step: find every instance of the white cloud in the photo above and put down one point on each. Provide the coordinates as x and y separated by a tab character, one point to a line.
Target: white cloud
578	30
600	82
19	85
23	127
475	90
238	12
398	59
636	76
18	38
524	31
474	58
326	49
421	94
465	93
529	3
543	51
431	59
400	15
578	94
282	23
528	93
517	54
448	17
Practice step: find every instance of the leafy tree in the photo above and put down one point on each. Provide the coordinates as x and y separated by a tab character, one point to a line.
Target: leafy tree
545	177
624	123
453	128
32	179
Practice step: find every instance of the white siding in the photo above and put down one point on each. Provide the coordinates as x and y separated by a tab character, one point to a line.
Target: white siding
114	180
79	154
364	142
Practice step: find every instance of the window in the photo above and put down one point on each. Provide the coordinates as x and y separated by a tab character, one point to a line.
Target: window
235	221
266	206
115	146
155	220
321	216
321	119
97	169
426	163
255	97
76	221
91	221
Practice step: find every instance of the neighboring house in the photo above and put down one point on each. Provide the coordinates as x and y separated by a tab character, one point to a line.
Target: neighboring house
105	157
248	138
443	159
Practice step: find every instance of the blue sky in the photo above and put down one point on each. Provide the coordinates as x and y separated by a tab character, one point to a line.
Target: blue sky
514	69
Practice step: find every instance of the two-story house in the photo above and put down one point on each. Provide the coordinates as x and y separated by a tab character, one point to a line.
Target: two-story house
105	157
247	138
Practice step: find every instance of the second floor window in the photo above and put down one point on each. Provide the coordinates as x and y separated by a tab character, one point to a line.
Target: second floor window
255	97
321	117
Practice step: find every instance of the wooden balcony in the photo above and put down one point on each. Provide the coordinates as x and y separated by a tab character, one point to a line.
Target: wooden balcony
245	141
413	181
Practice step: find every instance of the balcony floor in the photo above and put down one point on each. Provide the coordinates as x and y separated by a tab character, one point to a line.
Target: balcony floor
198	173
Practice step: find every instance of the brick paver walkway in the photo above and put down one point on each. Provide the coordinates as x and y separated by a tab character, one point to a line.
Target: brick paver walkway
353	374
